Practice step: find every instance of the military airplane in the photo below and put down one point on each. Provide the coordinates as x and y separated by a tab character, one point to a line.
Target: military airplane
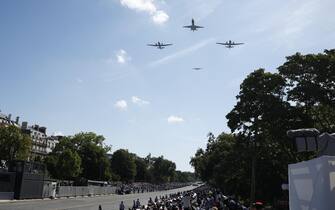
230	44
197	69
159	45
193	27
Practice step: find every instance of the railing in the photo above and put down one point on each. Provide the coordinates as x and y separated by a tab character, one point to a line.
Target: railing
6	195
74	191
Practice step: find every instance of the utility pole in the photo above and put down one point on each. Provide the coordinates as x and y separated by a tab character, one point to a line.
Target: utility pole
253	171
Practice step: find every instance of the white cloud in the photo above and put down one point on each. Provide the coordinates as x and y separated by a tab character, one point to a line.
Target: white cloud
160	17
57	133
121	105
175	119
122	56
148	6
79	80
183	52
140	5
139	101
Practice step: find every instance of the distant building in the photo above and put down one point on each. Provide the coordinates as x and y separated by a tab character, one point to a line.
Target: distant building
51	142
6	120
39	139
41	143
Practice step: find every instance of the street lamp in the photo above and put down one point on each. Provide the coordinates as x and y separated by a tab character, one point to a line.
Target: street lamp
254	144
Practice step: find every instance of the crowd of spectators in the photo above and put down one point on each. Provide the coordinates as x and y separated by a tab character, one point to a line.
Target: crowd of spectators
142	187
201	198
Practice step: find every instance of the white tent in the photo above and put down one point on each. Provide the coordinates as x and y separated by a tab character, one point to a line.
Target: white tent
312	184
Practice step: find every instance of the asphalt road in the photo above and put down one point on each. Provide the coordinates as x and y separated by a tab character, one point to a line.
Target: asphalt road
110	202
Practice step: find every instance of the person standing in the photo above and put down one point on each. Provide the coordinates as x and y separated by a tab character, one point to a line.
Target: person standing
138	204
121	206
134	205
186	202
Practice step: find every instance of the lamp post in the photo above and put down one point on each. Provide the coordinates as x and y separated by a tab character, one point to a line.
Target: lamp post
253	170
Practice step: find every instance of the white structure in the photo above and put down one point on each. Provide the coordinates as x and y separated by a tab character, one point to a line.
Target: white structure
51	143
312	184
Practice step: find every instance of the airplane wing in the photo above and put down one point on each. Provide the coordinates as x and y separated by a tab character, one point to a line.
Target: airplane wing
237	43
199	27
222	43
164	45
187	26
153	45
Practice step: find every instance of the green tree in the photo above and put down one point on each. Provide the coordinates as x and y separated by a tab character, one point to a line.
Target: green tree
224	164
92	152
184	177
51	163
69	164
262	114
258	102
302	95
14	145
142	172
310	86
163	170
95	162
64	165
123	164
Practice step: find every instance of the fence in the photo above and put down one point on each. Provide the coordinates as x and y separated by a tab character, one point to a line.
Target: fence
6	195
74	191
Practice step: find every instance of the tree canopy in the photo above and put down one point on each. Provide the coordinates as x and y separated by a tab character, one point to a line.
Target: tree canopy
162	170
300	95
123	164
85	156
14	145
87	151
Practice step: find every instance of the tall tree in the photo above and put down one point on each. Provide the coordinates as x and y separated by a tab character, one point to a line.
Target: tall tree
302	95
92	152
95	163
262	116
310	85
142	170
184	177
259	100
163	170
123	164
69	164
14	145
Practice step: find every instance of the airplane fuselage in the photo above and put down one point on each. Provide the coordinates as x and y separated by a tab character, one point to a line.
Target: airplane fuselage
193	27
230	44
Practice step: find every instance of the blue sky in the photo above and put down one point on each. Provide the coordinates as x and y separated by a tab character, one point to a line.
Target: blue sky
83	65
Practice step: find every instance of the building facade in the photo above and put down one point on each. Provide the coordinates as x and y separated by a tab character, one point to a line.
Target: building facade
6	120
41	143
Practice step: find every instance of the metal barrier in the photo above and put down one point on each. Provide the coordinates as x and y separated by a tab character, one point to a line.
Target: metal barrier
74	191
6	195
